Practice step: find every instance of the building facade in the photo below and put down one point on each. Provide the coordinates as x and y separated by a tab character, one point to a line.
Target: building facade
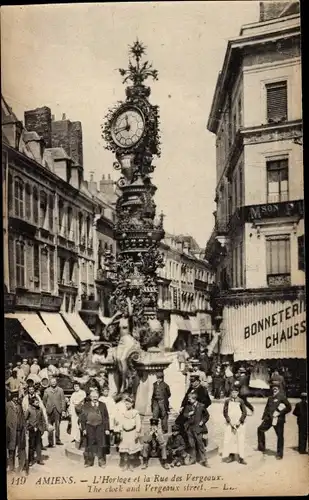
50	234
184	292
257	244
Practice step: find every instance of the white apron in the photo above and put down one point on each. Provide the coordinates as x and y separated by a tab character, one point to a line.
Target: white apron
76	399
130	427
234	442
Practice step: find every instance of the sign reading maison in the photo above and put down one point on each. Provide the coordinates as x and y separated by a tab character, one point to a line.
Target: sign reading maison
272	210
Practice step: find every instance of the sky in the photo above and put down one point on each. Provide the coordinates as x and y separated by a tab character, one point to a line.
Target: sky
67	57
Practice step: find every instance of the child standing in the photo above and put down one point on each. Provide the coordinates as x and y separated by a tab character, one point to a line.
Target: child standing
130	429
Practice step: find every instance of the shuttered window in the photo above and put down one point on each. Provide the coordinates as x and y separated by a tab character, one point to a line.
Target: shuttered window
278	260
301	252
277	101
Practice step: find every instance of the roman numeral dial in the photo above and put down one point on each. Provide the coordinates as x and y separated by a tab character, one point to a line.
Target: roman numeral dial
128	127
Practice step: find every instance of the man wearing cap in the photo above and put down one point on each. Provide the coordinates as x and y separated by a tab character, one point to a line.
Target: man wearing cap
160	401
201	392
195	417
301	412
94	421
276	408
154	445
194	370
235	413
176	448
15	432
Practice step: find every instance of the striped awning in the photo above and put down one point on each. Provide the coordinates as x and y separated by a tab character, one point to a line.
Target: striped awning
78	326
265	330
34	326
58	329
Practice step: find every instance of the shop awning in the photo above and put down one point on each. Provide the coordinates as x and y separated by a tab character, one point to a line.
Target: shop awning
78	326
34	326
58	328
195	325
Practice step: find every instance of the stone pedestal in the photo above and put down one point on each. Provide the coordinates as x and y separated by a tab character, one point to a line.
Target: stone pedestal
151	362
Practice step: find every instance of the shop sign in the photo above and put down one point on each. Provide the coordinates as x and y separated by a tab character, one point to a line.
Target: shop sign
274	210
265	330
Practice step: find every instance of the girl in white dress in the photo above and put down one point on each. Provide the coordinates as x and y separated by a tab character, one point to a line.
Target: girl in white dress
235	414
76	399
130	430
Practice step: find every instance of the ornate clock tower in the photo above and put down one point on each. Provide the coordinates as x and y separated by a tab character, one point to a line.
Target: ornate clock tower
131	132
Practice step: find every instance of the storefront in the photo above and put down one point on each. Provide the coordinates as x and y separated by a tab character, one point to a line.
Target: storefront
265	335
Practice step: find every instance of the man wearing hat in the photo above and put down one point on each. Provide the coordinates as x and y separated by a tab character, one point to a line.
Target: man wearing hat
201	391
195	370
276	408
154	445
176	448
301	412
160	401
15	432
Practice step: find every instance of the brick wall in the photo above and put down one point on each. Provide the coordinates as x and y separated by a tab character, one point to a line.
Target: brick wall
68	135
39	120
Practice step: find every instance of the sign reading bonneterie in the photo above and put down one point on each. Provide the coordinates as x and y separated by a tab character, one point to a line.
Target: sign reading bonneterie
265	330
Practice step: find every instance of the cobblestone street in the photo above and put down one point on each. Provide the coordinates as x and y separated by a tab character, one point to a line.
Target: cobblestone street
256	477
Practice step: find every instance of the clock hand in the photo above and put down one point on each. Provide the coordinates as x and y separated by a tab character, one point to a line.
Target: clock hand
122	128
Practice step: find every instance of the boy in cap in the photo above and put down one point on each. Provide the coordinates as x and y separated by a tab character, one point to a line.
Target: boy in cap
176	448
301	412
276	408
154	445
160	401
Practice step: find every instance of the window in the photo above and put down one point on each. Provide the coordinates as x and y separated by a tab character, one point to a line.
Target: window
71	270
36	266
43	208
10	193
44	270
67	303
20	263
301	253
35	206
60	215
277	101
277	181
70	218
61	263
73	302
51	212
278	261
19	197
51	270
28	201
239	112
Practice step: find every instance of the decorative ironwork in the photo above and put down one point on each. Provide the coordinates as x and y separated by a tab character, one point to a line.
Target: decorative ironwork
137	230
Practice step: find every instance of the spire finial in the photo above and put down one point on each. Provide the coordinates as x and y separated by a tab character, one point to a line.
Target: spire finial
138	73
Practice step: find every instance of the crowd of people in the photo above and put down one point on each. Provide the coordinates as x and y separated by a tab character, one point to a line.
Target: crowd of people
36	405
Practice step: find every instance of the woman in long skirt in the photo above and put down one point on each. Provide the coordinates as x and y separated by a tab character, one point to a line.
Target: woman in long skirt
130	430
76	400
235	414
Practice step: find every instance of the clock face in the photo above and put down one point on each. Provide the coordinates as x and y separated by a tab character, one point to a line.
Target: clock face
128	127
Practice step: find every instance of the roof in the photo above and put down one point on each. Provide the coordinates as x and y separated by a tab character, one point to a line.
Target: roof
58	153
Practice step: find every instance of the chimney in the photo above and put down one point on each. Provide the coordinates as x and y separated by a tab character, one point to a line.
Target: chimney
107	185
39	120
92	185
68	135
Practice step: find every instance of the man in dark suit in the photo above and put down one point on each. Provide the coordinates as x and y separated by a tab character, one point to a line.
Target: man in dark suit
199	389
54	402
276	408
94	422
195	417
160	401
15	432
301	412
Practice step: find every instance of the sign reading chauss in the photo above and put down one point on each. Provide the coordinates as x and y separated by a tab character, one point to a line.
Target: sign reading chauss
265	330
280	320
